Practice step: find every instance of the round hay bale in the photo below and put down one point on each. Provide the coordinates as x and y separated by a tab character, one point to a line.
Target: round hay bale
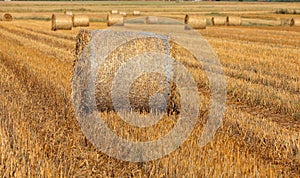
81	21
142	87
230	20
61	22
297	11
6	17
295	22
114	12
283	11
284	22
290	11
136	13
68	13
151	20
218	20
115	19
279	11
124	14
195	22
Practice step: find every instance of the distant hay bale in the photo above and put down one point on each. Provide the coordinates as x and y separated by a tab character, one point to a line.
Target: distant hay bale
290	11
81	21
68	13
151	20
6	17
262	22
284	22
295	22
195	22
61	22
218	20
115	19
124	14
234	21
285	11
279	11
136	13
297	11
114	12
142	87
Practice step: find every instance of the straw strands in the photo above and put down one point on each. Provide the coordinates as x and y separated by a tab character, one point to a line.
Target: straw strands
143	87
285	11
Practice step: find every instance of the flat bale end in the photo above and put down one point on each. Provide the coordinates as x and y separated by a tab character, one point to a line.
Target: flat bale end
7	17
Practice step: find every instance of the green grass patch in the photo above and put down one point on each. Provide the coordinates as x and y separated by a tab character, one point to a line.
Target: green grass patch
34	18
215	14
98	20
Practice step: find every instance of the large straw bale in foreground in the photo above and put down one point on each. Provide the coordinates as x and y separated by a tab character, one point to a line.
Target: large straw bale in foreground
81	21
195	21
285	11
144	86
6	17
115	19
61	22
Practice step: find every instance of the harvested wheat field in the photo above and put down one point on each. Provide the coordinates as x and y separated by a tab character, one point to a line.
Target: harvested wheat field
260	132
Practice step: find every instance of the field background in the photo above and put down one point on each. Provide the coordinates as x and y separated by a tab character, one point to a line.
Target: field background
259	137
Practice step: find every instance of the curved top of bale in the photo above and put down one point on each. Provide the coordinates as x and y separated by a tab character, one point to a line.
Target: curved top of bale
82	40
